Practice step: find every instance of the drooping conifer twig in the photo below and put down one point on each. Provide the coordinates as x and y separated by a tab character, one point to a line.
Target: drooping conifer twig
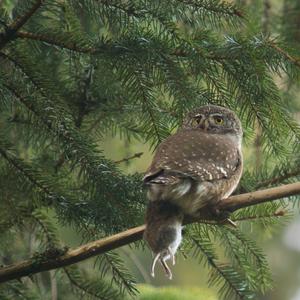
72	256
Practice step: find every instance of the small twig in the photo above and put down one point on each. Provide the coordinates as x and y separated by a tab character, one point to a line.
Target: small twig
277	214
278	179
129	10
136	155
53	284
59	162
295	61
266	16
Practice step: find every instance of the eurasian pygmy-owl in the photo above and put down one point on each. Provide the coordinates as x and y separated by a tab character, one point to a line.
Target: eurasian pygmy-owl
194	168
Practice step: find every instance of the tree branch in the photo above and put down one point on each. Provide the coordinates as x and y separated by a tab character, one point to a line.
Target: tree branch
94	50
32	266
12	29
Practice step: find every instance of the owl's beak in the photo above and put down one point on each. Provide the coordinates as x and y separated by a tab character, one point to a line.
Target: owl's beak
204	124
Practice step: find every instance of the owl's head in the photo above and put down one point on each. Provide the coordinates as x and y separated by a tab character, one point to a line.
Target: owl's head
214	119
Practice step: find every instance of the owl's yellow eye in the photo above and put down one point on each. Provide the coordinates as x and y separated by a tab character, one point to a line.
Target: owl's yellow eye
219	120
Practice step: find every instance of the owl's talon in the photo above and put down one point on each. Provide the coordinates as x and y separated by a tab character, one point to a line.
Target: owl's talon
221	215
230	222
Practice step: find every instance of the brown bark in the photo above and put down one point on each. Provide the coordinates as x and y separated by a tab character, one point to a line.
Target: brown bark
32	266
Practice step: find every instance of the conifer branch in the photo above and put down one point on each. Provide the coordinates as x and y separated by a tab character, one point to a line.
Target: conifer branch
294	60
130	10
178	52
72	256
12	29
56	42
221	270
222	8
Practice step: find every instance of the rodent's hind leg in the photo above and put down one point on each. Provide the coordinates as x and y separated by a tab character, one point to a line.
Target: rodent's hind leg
172	256
155	259
166	267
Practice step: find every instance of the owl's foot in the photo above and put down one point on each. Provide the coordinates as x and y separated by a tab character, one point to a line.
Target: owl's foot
219	214
222	216
229	222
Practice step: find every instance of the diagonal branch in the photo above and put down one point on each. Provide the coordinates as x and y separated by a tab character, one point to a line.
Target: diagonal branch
55	42
72	256
13	28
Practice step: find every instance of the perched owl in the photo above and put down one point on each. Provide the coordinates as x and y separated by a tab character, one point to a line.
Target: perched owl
194	168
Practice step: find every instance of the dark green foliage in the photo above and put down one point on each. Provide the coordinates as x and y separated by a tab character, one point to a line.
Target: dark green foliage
75	72
90	288
231	282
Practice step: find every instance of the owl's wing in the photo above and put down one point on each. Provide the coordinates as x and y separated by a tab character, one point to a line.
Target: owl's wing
194	154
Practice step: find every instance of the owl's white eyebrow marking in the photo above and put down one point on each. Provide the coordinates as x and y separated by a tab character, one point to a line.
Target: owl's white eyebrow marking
217	115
